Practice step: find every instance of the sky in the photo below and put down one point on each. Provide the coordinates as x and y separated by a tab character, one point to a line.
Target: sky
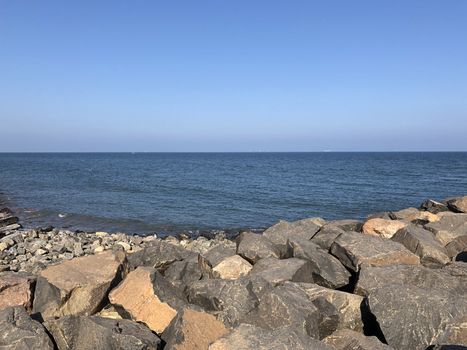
226	76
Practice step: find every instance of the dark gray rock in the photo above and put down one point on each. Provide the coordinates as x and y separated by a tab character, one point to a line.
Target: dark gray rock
346	339
412	318
277	271
326	270
183	273
433	206
91	333
449	227
253	247
457	246
355	249
218	253
451	279
424	244
247	337
20	332
347	225
329	318
326	236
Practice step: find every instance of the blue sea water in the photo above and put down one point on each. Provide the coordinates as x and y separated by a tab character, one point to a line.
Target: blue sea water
171	192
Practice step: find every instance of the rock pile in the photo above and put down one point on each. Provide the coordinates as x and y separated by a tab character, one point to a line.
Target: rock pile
397	280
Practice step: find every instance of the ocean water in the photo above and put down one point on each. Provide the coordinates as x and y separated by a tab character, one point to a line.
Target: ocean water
172	192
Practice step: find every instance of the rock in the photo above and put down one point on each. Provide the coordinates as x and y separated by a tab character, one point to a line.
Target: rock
78	286
326	236
253	247
8	228
3	246
101	234
193	329
109	312
458	205
89	333
449	279
247	337
276	271
382	228
457	246
454	333
346	339
394	309
415	215
449	227
348	305
232	268
354	249
183	273
220	252
160	254
347	225
126	246
433	206
147	297
326	270
424	244
16	289
19	331
281	232
7	220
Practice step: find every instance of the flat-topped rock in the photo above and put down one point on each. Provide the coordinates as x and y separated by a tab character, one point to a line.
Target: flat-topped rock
247	337
78	286
193	329
220	252
346	339
449	227
326	270
16	289
348	225
414	215
253	247
354	249
326	236
148	297
433	206
424	244
458	205
93	333
382	227
232	268
276	271
19	331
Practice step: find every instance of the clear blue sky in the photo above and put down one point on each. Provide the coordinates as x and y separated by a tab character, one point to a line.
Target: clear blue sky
237	75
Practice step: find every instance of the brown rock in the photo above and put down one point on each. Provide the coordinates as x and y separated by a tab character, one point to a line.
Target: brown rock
192	329
232	268
345	339
16	289
457	246
458	204
415	215
382	227
147	297
78	286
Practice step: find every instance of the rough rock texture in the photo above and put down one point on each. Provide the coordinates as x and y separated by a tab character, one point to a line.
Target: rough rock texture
382	227
415	215
433	206
347	225
449	227
247	337
16	289
457	246
326	236
219	253
232	267
346	339
451	279
458	204
348	305
355	249
326	270
93	333
253	247
276	271
281	232
18	331
77	286
455	332
148	297
396	307
424	244
182	273
192	329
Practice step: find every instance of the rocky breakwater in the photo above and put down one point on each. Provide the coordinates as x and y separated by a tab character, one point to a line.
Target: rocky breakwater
397	280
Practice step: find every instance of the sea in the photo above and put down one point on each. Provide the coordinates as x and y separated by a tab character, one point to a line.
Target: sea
169	193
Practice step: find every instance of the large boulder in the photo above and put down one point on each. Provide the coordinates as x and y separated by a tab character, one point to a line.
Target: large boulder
326	270
193	329
277	271
455	333
93	333
348	305
146	296
433	206
78	286
19	331
382	227
326	236
281	232
232	268
347	225
449	227
456	247
450	279
220	252
424	244
16	289
253	247
346	339
458	205
160	254
247	337
7	218
182	273
354	249
414	215
412	318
